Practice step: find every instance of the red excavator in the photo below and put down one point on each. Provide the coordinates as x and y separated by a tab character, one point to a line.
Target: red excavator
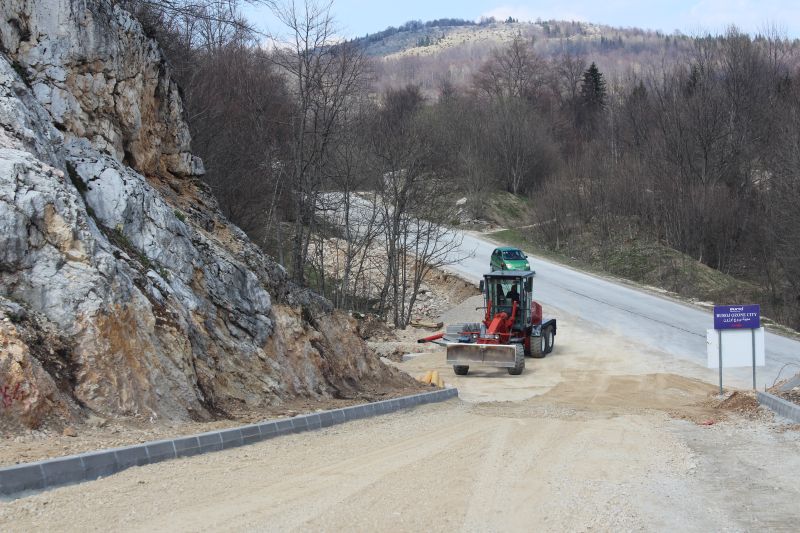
512	329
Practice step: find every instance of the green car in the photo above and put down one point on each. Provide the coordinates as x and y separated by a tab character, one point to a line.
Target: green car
508	259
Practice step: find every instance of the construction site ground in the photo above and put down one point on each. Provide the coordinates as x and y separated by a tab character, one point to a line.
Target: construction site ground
96	433
600	435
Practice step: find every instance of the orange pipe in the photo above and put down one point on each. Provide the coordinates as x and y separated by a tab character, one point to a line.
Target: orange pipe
435	336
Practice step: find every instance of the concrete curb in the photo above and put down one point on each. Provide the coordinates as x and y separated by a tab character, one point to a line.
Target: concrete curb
780	406
88	466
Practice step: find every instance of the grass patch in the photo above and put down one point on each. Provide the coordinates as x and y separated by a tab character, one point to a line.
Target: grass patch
120	240
76	179
506	209
640	259
22	72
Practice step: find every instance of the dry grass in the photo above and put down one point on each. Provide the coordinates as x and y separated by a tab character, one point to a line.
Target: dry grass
641	260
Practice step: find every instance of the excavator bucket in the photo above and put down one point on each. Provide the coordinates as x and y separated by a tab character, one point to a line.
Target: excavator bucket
498	355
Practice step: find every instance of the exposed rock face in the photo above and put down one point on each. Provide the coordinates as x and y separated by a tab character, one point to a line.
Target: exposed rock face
161	307
89	63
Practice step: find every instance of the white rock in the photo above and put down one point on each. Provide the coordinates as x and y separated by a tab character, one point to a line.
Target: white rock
162	316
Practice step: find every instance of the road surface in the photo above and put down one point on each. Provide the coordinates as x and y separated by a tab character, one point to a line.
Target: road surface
585	439
658	322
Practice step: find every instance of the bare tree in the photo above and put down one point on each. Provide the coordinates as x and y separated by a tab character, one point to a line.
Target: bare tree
568	72
513	71
323	77
354	208
416	203
521	146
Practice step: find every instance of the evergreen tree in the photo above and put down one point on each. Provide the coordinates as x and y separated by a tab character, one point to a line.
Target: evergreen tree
593	90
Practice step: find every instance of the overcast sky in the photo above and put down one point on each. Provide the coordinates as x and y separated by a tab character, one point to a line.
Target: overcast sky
359	17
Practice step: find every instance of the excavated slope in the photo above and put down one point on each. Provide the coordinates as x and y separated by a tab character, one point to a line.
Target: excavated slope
123	290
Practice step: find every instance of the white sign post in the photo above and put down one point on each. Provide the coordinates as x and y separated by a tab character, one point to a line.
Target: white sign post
737	339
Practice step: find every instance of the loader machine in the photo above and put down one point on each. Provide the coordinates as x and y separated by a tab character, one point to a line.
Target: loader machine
512	327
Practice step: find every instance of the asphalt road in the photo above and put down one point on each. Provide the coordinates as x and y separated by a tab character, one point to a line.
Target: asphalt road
658	322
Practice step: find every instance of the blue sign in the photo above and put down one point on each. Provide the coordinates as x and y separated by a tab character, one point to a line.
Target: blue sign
737	316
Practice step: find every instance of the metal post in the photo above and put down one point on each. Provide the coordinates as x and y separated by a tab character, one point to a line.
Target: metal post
719	333
753	336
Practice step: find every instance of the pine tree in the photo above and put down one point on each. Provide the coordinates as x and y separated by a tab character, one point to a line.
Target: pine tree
593	90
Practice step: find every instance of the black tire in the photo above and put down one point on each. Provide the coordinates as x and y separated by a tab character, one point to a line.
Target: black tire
526	346
549	339
538	348
461	370
519	361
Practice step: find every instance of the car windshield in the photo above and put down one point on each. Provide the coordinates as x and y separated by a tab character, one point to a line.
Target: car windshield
513	255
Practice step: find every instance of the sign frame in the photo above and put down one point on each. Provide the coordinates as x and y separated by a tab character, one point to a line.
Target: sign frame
737	316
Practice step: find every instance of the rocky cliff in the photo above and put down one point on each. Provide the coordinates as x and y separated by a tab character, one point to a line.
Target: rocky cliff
123	290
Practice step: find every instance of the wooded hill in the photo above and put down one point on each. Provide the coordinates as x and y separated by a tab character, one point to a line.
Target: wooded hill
425	53
612	137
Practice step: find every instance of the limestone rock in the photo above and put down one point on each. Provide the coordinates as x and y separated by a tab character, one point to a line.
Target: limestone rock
101	78
29	394
162	308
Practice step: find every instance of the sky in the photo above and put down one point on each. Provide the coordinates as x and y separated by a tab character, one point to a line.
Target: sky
356	18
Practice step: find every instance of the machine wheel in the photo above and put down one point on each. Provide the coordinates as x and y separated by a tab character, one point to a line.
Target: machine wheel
519	361
549	340
461	370
538	346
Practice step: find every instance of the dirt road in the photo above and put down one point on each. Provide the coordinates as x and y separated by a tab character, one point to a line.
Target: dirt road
609	438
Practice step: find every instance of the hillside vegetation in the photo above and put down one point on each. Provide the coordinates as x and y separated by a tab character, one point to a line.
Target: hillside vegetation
687	144
427	54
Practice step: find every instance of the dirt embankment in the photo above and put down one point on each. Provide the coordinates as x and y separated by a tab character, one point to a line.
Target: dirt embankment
19	444
788	389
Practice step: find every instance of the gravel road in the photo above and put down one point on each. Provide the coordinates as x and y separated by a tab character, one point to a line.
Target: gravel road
602	435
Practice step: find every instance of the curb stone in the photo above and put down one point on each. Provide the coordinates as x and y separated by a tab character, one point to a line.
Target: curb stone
780	406
50	473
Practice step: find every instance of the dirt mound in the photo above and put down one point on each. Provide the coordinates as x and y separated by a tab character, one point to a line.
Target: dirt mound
788	389
678	396
373	328
791	395
742	402
663	392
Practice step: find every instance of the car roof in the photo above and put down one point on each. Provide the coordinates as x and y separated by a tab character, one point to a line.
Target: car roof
507	249
509	274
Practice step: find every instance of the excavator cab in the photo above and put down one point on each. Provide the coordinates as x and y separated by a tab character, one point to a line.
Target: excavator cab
501	289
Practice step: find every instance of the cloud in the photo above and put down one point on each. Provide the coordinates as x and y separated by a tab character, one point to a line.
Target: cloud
689	16
546	11
752	16
503	12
